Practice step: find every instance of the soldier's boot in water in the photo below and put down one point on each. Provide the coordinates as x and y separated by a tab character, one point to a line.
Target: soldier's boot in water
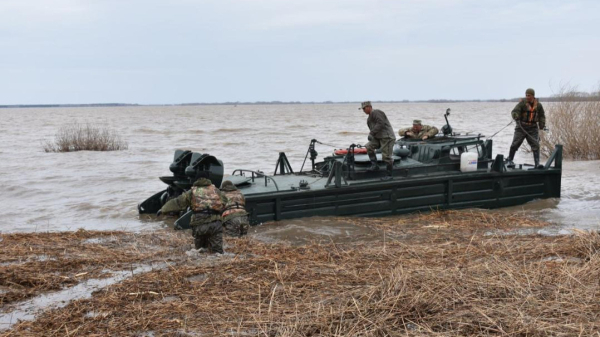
536	159
200	242
511	156
374	166
390	172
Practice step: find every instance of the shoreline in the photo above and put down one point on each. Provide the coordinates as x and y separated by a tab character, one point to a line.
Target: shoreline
447	273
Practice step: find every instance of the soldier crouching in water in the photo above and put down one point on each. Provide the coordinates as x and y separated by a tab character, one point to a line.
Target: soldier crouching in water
528	114
381	136
235	218
418	131
207	203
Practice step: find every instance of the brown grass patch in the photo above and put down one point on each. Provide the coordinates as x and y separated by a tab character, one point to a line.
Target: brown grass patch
573	122
79	137
434	282
40	262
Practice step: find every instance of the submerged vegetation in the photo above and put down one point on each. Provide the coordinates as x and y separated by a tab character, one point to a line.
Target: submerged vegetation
573	121
451	273
79	137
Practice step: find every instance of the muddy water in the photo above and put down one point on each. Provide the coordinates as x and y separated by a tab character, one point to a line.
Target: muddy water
100	190
27	310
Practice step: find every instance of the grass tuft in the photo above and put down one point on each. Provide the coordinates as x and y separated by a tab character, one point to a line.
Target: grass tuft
79	137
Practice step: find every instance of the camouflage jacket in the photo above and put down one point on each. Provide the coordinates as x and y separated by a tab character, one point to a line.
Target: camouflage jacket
529	114
426	130
235	205
203	196
379	125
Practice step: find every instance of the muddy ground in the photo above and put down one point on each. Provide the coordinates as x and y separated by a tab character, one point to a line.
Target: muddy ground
442	273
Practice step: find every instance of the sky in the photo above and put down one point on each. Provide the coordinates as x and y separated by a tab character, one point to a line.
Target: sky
189	51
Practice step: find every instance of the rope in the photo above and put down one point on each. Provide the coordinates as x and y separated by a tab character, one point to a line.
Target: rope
501	129
536	140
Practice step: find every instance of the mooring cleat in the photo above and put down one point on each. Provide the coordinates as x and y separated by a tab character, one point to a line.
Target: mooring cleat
387	178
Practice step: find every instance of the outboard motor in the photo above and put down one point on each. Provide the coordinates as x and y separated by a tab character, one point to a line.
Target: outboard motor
205	162
186	167
180	162
447	129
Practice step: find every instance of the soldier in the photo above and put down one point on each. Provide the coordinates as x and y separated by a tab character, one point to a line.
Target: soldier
528	114
381	136
207	203
419	131
235	218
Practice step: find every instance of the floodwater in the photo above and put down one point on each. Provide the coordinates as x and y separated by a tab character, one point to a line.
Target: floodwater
100	190
27	310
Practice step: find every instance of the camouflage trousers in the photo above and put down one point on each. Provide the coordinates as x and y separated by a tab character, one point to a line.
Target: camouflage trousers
236	226
529	132
385	144
209	236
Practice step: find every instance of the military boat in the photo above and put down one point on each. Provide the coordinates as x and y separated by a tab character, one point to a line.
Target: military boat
448	171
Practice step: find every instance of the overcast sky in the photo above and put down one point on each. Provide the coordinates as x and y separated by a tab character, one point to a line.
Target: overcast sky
182	51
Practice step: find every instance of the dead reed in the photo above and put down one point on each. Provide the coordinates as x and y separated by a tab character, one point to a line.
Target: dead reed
40	262
79	137
482	281
573	122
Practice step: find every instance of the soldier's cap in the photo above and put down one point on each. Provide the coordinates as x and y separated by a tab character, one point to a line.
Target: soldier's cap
364	105
228	186
530	92
417	122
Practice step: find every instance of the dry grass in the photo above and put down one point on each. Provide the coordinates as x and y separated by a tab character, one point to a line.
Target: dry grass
40	262
573	122
451	278
78	137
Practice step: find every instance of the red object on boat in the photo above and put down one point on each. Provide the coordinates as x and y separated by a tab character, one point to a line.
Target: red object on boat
360	150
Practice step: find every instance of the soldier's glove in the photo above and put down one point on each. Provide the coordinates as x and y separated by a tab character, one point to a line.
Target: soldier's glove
159	213
370	138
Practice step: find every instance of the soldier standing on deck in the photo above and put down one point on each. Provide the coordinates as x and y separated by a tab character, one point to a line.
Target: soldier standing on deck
528	114
235	218
419	131
207	203
381	136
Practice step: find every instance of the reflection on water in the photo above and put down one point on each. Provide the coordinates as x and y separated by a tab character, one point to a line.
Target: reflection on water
100	190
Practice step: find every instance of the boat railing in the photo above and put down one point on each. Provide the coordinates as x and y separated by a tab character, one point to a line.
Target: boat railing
256	174
555	157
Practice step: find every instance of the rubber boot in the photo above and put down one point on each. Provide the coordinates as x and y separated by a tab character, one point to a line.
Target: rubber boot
536	159
374	166
390	172
511	156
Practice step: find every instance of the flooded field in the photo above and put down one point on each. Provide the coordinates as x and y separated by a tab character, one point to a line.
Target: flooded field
100	190
78	260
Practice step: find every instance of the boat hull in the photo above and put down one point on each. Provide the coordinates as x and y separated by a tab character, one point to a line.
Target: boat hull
478	189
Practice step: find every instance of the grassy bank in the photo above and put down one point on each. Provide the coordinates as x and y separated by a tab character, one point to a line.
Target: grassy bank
444	273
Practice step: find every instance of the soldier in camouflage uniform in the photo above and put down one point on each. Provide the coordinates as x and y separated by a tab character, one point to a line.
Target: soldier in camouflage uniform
207	203
235	218
419	131
381	136
529	114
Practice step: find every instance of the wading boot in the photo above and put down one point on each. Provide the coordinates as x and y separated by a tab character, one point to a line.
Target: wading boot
536	159
390	171
511	156
374	166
